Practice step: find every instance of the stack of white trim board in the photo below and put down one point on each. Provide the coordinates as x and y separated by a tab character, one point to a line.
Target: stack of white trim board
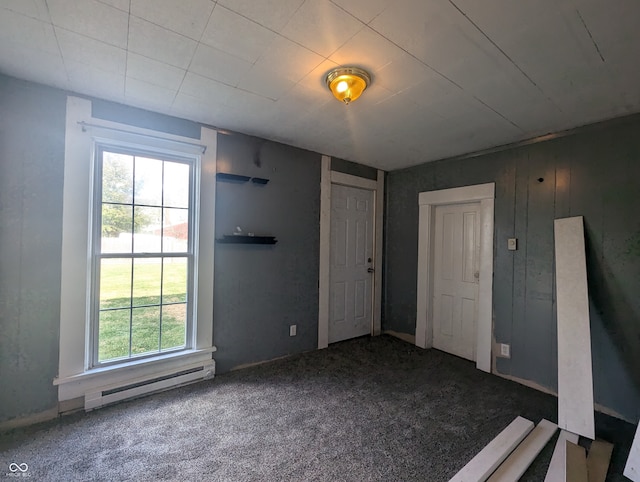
507	457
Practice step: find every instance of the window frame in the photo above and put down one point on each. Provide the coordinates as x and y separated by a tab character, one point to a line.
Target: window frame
77	375
193	161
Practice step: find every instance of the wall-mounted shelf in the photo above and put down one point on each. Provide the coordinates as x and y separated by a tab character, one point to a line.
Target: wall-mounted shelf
227	177
239	179
242	239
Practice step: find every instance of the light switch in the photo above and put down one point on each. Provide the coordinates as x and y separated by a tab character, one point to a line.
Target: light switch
505	350
512	244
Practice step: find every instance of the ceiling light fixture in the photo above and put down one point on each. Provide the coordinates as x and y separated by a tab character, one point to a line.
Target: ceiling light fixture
347	83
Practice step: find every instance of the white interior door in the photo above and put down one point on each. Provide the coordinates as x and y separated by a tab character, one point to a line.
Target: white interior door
351	270
455	278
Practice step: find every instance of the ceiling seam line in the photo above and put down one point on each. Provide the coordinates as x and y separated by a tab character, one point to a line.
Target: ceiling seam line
498	113
293	14
505	55
433	69
199	42
164	27
101	69
84	35
496	46
324	57
113	6
55	34
593	40
126	59
279	34
345	43
252	21
367	25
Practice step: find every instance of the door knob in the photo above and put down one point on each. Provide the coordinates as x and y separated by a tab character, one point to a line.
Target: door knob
370	270
476	275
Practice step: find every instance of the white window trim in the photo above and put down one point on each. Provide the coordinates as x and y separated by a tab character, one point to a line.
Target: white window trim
74	376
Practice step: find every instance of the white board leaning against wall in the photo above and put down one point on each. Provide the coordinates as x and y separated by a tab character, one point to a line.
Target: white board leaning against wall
575	379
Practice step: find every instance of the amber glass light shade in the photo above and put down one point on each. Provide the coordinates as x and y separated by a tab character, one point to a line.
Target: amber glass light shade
347	83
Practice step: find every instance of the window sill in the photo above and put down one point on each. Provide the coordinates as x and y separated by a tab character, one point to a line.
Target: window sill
74	386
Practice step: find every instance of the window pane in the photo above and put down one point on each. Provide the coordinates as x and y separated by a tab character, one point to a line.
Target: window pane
175	228
174	280
174	326
176	185
146	281
115	283
113	334
148	229
117	178
116	228
145	330
148	175
142	302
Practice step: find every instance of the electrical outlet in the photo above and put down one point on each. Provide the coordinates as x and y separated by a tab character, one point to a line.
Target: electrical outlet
512	244
293	329
505	350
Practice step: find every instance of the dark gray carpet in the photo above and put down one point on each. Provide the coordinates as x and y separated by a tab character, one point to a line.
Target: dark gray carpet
367	409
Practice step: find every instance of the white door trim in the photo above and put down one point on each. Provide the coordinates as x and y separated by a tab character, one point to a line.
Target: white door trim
484	193
326	179
353	181
325	253
377	252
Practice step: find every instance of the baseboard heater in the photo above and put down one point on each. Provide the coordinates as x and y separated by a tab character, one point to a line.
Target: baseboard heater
136	388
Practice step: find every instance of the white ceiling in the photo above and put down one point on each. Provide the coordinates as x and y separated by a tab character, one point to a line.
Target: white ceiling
449	77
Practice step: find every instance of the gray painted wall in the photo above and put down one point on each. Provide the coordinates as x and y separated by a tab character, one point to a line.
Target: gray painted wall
31	178
261	290
595	174
354	168
112	111
258	290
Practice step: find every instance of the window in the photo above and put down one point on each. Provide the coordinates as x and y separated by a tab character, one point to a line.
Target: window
142	254
136	291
